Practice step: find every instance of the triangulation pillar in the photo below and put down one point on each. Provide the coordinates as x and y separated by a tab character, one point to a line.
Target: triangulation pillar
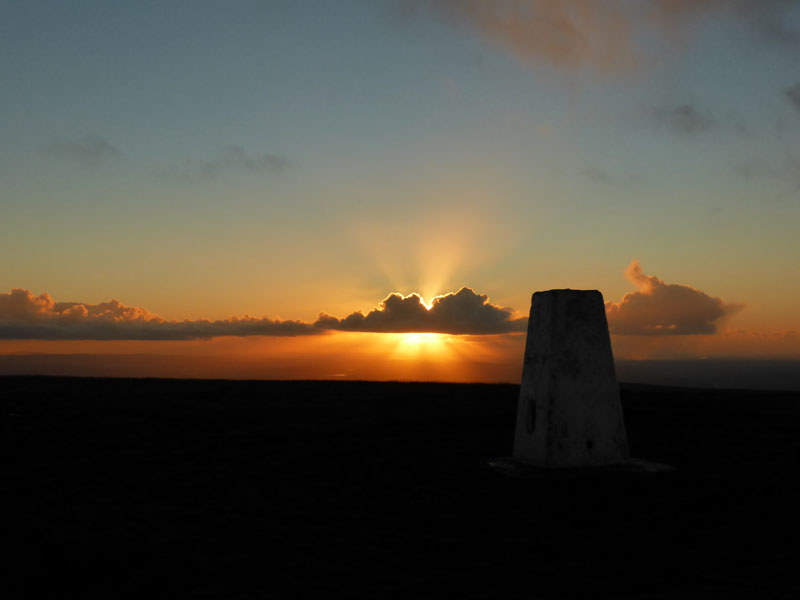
569	412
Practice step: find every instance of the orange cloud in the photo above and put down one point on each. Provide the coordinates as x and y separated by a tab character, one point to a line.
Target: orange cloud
597	33
659	308
21	305
566	33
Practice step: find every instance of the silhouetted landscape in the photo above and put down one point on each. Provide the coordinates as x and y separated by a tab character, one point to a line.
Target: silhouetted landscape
128	488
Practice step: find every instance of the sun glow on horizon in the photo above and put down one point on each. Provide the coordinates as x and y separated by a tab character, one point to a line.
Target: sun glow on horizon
422	338
420	344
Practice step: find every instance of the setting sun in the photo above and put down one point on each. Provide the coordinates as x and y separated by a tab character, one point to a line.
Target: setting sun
422	338
420	345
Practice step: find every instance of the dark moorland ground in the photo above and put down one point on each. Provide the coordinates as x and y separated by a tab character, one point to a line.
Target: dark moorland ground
219	489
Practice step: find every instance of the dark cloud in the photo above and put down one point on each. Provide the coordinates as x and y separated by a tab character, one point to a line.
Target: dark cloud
659	308
793	95
25	316
89	149
231	159
683	118
463	312
601	34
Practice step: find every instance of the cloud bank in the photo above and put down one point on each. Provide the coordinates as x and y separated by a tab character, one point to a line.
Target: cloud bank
659	308
656	308
463	312
25	316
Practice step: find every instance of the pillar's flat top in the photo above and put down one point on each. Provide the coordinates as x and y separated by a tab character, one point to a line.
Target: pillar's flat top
566	292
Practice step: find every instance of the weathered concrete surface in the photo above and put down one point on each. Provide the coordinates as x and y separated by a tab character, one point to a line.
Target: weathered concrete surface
569	412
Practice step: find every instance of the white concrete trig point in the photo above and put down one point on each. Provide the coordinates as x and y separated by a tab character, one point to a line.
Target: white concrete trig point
569	412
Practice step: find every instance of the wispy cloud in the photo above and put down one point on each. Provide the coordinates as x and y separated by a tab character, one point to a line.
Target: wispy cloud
769	19
683	118
89	149
568	33
793	95
229	160
754	168
600	34
607	177
785	172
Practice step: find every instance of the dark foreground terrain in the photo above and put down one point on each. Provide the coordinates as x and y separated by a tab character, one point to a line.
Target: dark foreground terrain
218	489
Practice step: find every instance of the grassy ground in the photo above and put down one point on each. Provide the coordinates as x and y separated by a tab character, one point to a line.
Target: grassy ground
220	489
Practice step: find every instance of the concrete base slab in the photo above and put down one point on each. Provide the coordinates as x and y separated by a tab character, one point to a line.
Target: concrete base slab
514	468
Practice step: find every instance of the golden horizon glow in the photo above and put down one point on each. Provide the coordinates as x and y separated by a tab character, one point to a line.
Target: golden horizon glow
341	355
416	345
354	355
420	338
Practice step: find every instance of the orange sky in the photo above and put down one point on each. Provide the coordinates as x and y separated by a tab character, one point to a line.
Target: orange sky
455	337
346	355
356	355
316	162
